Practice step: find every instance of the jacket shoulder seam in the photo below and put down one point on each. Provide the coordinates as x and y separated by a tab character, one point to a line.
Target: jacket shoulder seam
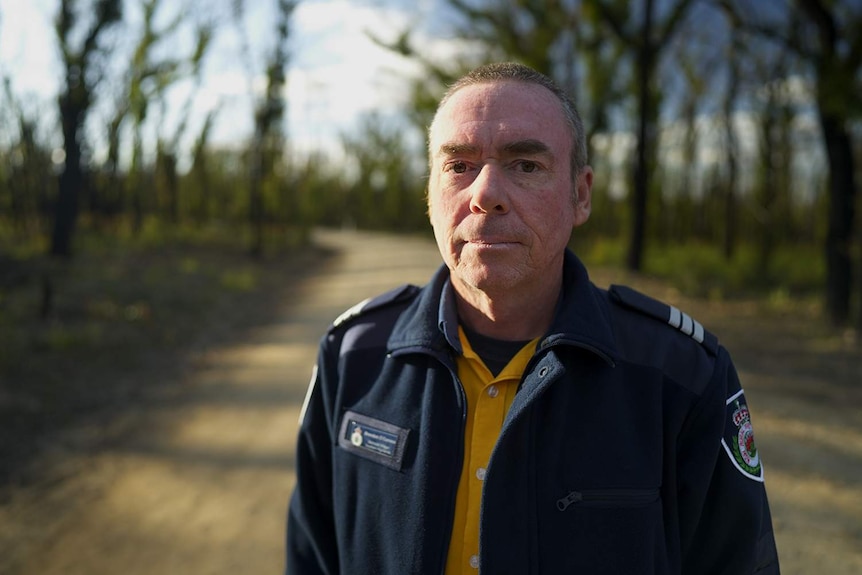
368	305
667	314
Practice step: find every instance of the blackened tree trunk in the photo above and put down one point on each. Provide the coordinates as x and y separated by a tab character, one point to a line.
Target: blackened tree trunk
71	178
836	71
767	193
842	211
640	186
200	172
827	35
167	163
732	150
634	260
255	205
74	104
646	44
269	137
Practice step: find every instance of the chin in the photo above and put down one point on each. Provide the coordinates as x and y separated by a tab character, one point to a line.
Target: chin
486	279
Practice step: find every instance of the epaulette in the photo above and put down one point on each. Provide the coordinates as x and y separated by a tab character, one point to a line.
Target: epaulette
665	313
377	302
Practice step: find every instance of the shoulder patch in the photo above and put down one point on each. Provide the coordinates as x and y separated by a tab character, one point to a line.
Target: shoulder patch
377	302
738	438
665	313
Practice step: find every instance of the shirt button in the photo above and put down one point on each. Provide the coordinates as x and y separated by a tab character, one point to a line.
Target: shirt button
480	474
493	391
474	561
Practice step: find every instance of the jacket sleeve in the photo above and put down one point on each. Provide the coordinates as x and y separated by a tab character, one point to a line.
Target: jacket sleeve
311	541
725	523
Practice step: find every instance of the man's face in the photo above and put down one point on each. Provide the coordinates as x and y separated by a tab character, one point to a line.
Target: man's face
500	194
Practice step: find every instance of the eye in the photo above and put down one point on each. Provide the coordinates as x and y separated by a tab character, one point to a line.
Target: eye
527	166
457	167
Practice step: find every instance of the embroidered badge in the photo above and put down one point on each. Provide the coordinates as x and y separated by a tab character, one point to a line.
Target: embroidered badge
356	437
373	439
739	439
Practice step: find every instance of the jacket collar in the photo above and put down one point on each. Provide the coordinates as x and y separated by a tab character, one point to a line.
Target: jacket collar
430	323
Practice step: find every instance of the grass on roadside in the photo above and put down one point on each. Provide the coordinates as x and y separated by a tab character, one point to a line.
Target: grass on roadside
701	270
86	334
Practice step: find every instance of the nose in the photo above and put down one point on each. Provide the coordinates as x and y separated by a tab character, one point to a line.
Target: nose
488	192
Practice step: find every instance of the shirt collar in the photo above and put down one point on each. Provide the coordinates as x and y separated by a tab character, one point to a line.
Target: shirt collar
582	319
447	316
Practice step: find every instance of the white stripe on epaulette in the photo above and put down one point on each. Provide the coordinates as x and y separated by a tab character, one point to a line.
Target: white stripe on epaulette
352	312
308	393
686	324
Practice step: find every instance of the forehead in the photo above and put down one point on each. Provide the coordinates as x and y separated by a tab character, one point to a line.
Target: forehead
491	114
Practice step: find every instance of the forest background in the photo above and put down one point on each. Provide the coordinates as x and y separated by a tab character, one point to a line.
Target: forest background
726	137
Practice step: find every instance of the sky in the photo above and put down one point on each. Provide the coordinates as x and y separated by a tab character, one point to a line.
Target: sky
336	73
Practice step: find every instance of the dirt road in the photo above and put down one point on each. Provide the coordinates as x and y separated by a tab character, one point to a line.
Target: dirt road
197	483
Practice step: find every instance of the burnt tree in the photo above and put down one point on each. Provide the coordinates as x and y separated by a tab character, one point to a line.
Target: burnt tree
74	102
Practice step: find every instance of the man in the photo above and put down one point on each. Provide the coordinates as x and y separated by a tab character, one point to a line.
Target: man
510	417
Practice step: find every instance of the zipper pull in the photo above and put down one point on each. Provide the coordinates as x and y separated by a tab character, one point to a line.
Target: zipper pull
570	499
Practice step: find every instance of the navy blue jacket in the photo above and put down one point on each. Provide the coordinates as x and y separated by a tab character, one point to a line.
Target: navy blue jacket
628	449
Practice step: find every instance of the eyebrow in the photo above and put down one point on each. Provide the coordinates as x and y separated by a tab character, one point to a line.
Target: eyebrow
525	147
528	147
455	149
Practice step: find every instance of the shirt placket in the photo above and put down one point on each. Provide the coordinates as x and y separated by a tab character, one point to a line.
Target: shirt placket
489	414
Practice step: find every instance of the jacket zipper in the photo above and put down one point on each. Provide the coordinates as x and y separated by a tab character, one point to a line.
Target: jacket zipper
453	487
628	496
456	474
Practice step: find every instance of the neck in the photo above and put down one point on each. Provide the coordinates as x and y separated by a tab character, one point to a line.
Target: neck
509	315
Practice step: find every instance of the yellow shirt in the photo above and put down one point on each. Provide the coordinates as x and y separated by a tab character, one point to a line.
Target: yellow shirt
488	401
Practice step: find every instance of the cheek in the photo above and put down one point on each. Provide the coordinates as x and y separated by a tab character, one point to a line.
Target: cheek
434	210
444	208
553	221
440	221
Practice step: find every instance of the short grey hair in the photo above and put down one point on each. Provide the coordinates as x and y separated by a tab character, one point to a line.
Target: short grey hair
515	72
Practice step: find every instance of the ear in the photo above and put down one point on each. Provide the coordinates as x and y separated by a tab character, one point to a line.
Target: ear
583	196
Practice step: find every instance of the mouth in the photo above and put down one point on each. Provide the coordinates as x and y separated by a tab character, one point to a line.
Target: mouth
487	238
489	243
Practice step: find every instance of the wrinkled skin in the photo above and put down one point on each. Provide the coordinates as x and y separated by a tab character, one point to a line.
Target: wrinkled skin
503	204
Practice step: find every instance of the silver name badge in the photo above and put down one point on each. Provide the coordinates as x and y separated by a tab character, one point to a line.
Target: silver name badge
373	439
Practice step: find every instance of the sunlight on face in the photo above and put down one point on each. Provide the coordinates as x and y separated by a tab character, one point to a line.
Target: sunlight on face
500	191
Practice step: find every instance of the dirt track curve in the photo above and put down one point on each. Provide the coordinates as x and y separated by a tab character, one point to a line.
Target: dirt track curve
198	484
